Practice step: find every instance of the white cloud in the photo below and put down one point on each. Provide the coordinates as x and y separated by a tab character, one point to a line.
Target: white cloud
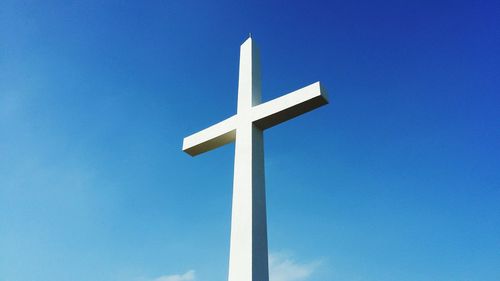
283	268
188	276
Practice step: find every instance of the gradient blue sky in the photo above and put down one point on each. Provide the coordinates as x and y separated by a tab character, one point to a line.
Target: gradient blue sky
396	179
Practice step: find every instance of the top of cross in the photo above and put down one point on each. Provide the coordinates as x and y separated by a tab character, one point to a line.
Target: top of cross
251	110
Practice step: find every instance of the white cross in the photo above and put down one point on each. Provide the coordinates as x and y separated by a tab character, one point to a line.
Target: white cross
248	257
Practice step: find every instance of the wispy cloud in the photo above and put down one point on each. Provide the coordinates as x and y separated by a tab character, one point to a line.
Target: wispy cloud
188	276
283	267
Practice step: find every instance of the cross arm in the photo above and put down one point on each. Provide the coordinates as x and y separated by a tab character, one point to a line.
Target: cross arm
210	138
281	109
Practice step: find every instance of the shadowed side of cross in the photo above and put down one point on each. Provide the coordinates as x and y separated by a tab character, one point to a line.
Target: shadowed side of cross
248	257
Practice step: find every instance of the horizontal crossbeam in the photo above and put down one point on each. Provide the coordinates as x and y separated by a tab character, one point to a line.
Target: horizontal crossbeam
264	116
274	112
210	138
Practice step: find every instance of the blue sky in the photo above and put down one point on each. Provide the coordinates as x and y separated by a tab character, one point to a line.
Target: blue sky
396	179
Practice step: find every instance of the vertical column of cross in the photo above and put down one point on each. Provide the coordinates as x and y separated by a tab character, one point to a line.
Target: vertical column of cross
248	250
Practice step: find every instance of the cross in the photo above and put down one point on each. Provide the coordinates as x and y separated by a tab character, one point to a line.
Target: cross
248	256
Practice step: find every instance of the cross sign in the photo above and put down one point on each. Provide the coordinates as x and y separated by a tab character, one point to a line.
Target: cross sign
248	257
